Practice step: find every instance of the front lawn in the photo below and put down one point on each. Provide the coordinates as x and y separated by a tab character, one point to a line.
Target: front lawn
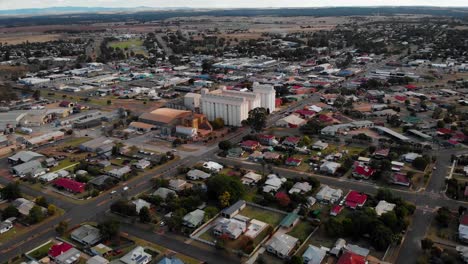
302	230
42	251
267	216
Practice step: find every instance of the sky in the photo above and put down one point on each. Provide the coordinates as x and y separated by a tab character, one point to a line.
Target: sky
20	4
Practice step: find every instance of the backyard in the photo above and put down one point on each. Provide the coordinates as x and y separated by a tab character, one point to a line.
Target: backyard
267	216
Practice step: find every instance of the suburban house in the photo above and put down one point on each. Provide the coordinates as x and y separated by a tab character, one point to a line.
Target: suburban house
164	192
250	145
314	255
363	172
355	199
170	260
384	207
329	195
293	162
336	210
64	253
235	152
401	179
289	220
136	256
140	203
267	140
271	156
70	185
23	206
281	245
194	218
463	228
291	141
273	183
410	157
86	235
320	145
31	168
234	209
119	173
102	182
251	178
300	187
233	228
142	164
177	184
292	121
351	258
195	175
25	156
97	260
329	167
213	166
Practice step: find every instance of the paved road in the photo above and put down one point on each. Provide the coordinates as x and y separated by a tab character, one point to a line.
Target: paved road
163	44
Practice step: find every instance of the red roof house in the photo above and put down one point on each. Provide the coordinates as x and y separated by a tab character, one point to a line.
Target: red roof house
291	141
336	210
400	98
355	199
325	118
411	87
351	258
364	172
306	113
70	185
250	145
401	179
444	131
58	249
293	161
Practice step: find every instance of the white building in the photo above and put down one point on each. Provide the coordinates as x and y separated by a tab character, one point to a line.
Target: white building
267	95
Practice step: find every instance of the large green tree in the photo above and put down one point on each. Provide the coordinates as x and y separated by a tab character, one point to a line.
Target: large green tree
257	118
219	184
109	229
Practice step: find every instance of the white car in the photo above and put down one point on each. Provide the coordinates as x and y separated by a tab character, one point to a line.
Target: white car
113	192
125	188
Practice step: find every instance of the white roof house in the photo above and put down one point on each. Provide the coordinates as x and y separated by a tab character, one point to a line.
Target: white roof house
281	245
384	207
300	187
314	255
197	175
328	194
231	227
136	256
273	183
410	157
251	178
291	120
330	167
140	203
213	166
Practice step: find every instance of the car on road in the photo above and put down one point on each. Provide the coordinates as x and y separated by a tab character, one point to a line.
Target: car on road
113	192
125	188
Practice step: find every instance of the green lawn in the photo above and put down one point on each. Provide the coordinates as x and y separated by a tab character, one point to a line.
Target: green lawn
269	217
302	230
75	142
126	44
41	251
65	164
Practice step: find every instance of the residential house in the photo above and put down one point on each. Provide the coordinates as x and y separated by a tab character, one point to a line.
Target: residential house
320	145
351	258
70	256
102	182
256	156
86	235
363	172
195	175
25	156
255	228
293	162
140	203
267	140
300	187
329	167
463	228
289	220
281	245
292	121
381	153
336	210
233	228
70	185
338	247
355	199
194	218
96	144
101	250
97	260
291	141
142	164
410	157
234	209
251	178
50	162
273	183
23	206
250	145
384	207
119	173
164	192
235	152
136	256
213	166
357	250
271	156
401	179
177	184
329	195
170	260
58	249
314	255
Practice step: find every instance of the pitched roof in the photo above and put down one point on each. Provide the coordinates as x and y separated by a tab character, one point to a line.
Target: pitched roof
351	258
70	185
58	249
355	199
289	219
364	171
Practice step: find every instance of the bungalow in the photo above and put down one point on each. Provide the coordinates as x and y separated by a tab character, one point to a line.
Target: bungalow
164	192
384	207
401	179
363	172
136	256
235	152
256	156
58	249
86	235
177	184
140	203
194	218
102	182
234	209
336	210
289	220
291	141
293	162
271	156
23	206
195	175
329	195
355	199
281	245
70	185
397	166
273	183
410	157
251	178
25	156
31	168
463	228
233	228
292	121
329	167
255	228
120	172
268	140
250	145
320	145
300	187
314	255
351	258
142	164
213	166
304	113
381	153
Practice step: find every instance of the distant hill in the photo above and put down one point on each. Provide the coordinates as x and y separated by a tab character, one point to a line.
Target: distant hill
83	15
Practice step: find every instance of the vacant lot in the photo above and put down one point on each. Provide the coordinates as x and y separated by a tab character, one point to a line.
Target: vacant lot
269	217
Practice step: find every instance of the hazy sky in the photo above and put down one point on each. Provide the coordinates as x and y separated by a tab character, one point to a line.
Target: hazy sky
18	4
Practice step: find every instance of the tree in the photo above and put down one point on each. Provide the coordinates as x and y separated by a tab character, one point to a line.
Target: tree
390	220
11	191
144	215
109	102
224	199
296	260
224	145
334	227
440	124
218	123
124	208
257	118
10	211
283	199
206	66
36	95
381	237
306	141
426	243
51	209
109	229
61	228
42	201
420	163
35	215
219	184
443	216
210	212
